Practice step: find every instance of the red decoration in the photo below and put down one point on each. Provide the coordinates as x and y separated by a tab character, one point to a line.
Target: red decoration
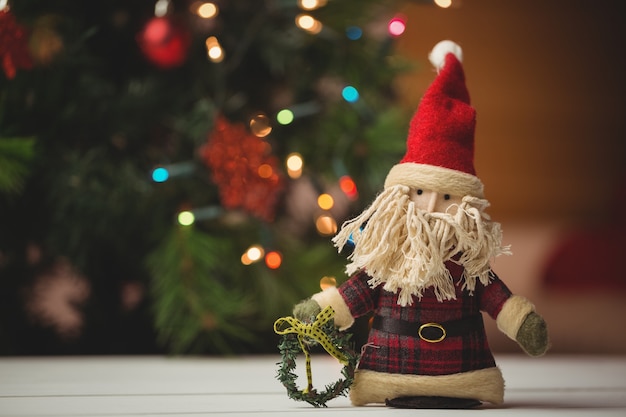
14	53
243	169
164	42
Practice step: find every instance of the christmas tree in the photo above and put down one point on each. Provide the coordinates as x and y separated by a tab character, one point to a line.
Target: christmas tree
173	170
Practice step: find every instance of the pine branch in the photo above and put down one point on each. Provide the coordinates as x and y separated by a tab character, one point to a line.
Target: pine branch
97	143
16	154
195	307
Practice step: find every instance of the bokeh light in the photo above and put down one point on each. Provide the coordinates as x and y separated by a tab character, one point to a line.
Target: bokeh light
253	254
309	24
326	225
350	94
284	117
186	218
294	164
328	282
325	201
160	174
206	10
397	26
311	4
160	8
265	171
260	125
273	260
245	259
348	186
214	49
354	33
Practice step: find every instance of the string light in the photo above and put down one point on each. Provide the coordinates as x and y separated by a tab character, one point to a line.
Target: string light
186	218
288	115
294	164
444	4
309	24
325	201
214	49
260	125
328	282
165	172
397	26
245	259
354	33
189	217
206	10
284	117
273	260
265	171
160	174
350	94
311	4
161	7
348	186
326	225
253	254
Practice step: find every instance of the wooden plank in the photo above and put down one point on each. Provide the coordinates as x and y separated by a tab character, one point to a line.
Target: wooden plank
162	386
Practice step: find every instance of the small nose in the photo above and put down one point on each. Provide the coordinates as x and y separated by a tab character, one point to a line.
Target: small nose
432	201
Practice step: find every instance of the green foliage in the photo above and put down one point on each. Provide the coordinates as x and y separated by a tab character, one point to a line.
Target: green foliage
195	306
101	116
16	155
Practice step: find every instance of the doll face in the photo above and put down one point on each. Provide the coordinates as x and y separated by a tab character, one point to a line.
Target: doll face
432	201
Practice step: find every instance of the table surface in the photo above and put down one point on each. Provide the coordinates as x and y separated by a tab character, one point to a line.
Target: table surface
247	386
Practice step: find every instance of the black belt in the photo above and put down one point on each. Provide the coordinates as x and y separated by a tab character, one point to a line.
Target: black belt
429	332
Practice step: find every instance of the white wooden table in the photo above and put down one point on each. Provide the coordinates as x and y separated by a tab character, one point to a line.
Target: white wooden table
208	386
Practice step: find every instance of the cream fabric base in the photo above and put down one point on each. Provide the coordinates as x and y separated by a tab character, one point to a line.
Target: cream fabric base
372	387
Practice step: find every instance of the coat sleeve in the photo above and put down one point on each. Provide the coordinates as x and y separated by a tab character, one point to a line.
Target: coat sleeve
354	298
507	309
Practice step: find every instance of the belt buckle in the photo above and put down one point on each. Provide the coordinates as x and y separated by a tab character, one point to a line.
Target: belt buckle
436	326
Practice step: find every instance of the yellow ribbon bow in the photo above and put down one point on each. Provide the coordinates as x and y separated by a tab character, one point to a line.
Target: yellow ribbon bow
312	331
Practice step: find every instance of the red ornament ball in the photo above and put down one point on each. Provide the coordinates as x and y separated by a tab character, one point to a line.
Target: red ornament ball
14	53
164	42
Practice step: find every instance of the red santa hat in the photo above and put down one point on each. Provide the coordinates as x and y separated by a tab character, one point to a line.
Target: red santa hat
440	144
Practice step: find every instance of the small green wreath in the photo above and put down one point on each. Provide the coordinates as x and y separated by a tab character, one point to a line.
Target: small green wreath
296	341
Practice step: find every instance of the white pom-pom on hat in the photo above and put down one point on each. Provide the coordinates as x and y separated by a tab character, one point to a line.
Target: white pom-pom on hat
437	56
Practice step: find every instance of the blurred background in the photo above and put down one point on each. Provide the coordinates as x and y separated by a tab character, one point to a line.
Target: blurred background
171	172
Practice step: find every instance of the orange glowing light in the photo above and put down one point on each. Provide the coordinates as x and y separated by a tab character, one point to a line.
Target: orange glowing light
325	201
265	171
273	260
327	282
348	186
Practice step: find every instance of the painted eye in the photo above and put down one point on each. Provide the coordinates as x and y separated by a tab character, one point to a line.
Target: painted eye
446	196
420	191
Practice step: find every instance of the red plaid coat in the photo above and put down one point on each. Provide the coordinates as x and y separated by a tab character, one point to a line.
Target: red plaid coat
392	353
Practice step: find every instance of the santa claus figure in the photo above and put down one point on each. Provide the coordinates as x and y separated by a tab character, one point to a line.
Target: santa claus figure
421	266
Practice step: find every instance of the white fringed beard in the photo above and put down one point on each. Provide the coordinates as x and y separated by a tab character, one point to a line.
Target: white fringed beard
406	248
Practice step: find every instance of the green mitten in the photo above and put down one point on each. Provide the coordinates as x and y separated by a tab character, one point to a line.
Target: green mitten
306	310
532	335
